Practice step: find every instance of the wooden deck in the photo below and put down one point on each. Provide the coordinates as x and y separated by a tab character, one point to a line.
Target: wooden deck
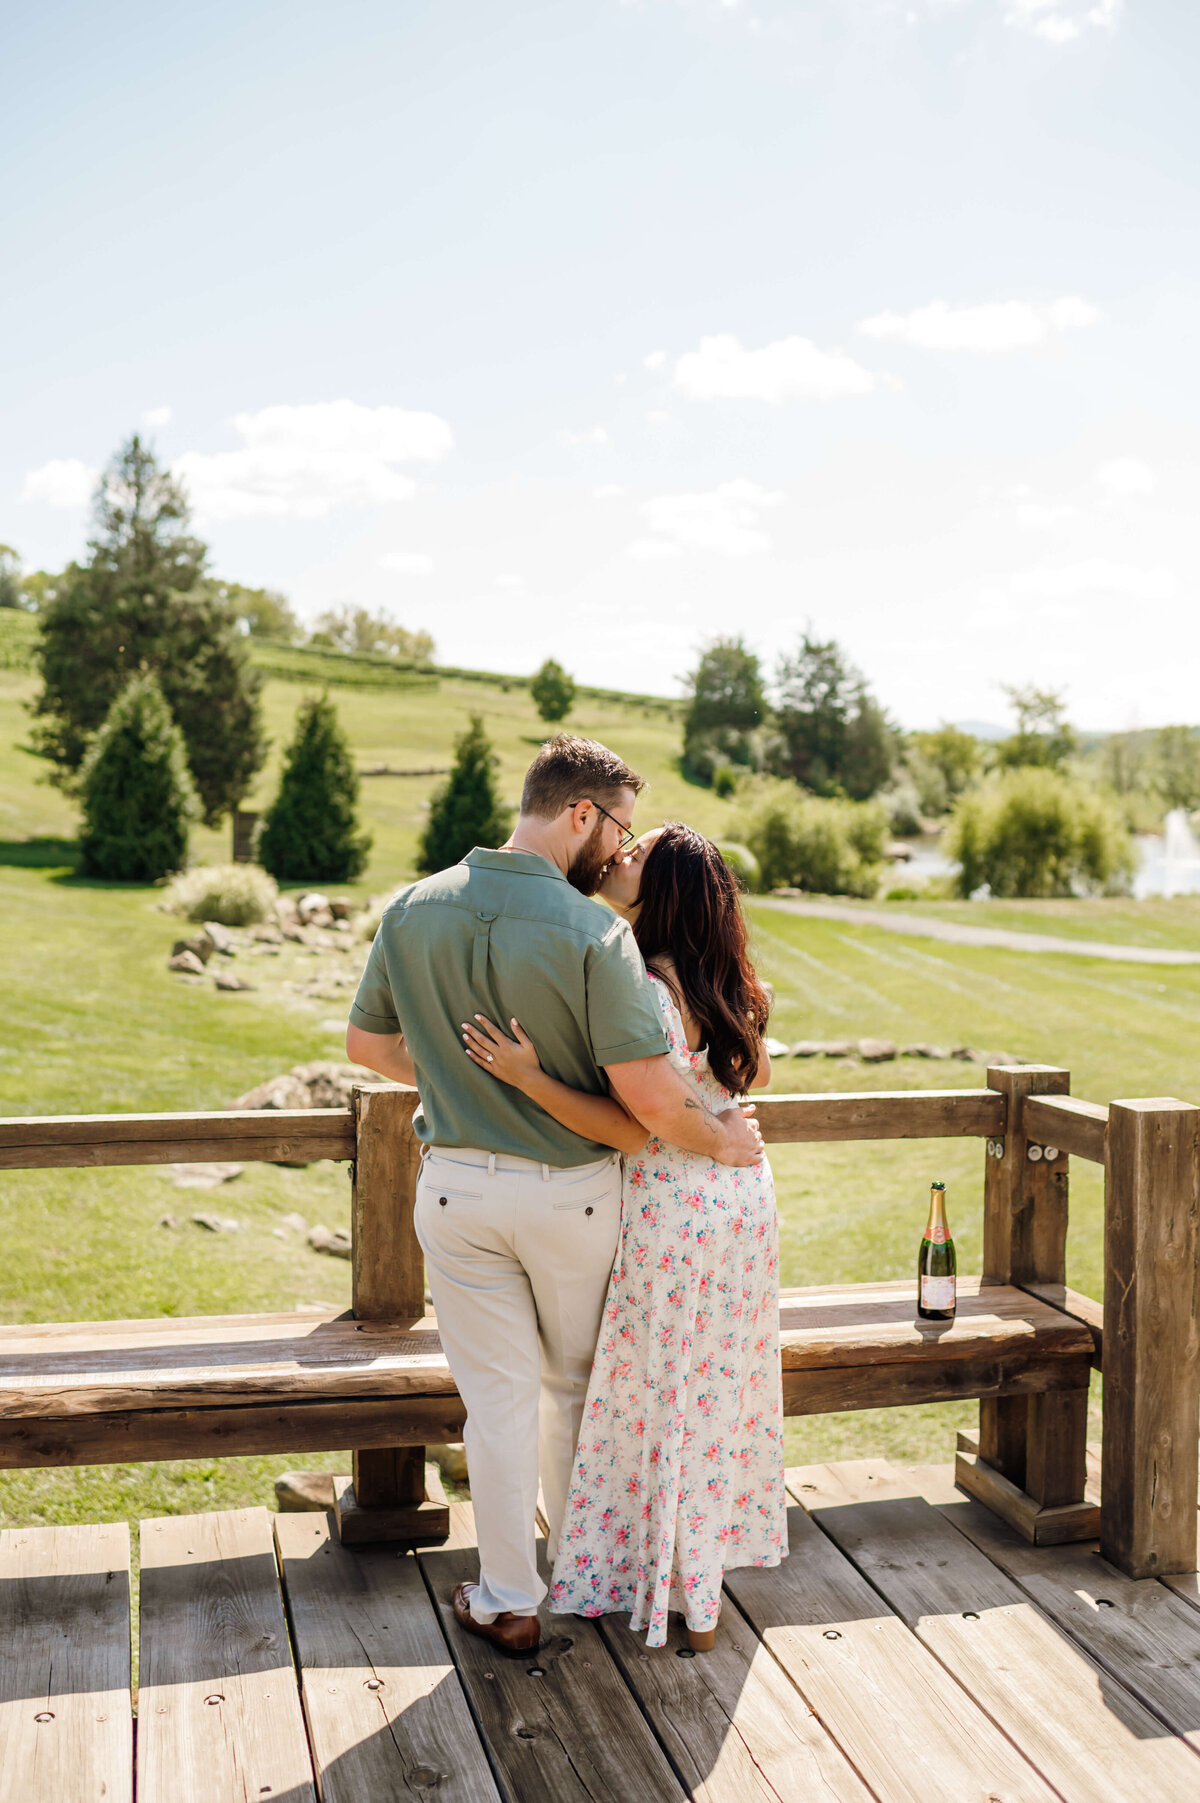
912	1649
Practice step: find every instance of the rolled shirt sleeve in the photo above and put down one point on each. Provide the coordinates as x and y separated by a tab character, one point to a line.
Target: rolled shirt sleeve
373	1008
624	1019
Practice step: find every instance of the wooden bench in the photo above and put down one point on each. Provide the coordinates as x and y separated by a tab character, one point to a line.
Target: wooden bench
376	1380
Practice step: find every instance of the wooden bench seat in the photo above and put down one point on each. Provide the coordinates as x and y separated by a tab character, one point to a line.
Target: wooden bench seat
95	1392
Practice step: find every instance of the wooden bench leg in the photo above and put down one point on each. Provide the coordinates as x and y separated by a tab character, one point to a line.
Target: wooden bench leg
393	1495
1028	1463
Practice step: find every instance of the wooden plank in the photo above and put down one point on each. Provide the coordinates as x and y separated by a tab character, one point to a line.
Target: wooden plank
268	1135
66	1730
1081	1308
903	1722
1151	1337
387	1718
1069	1123
128	1436
423	1522
1089	1738
561	1723
733	1727
881	1114
1144	1636
389	1284
220	1359
877	1323
932	1380
218	1706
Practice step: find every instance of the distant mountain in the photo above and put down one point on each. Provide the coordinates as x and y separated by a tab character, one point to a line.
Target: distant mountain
983	729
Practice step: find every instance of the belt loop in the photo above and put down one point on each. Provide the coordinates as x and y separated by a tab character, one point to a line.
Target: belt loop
545	1173
491	1164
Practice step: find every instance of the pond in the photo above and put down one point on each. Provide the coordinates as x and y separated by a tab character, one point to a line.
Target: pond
1168	863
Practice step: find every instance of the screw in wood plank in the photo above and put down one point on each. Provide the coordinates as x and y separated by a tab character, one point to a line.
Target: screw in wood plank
685	1652
1105	1602
1050	1153
215	1698
1034	1154
969	1615
832	1634
372	1683
44	1715
536	1671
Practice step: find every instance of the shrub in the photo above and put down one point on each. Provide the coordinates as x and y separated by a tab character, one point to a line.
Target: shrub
902	804
311	833
552	691
1033	832
234	895
805	842
743	863
137	794
466	811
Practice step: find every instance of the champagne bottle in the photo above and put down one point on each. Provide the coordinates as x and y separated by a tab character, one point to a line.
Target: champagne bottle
936	1264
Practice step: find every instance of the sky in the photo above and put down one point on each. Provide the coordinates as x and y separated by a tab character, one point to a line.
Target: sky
596	329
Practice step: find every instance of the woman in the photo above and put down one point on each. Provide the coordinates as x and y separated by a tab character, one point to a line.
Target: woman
679	1469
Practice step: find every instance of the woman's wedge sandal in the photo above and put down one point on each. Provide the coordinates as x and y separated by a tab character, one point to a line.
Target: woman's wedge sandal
702	1640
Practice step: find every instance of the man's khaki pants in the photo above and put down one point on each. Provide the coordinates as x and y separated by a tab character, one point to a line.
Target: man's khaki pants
518	1257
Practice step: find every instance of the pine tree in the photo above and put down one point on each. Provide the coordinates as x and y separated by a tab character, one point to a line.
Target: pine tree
137	792
311	833
467	810
552	691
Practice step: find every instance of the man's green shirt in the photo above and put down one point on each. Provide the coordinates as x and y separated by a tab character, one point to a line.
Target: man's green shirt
504	934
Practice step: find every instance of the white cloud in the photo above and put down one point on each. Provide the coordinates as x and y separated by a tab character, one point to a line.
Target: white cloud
512	584
63	482
1044	513
597	435
724	520
156	416
407	563
304	462
656	417
995	327
1124	476
655	359
789	369
608	491
1062	21
1093	576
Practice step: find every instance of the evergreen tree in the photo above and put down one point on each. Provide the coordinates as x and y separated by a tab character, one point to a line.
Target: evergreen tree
553	692
311	833
143	601
835	738
137	792
467	810
726	707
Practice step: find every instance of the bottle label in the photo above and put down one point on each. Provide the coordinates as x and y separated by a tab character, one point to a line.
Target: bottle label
938	1234
937	1292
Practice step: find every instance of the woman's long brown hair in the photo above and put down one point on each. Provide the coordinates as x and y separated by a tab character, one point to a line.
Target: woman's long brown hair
691	913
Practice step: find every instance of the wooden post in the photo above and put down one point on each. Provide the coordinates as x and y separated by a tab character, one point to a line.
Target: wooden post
1036	1443
1151	1337
387	1497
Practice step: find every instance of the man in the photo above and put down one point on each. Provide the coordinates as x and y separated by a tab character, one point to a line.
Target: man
517	1215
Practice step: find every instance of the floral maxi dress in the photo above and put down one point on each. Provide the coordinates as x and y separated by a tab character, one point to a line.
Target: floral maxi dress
679	1468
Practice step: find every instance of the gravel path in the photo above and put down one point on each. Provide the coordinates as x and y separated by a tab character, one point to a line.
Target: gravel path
951	932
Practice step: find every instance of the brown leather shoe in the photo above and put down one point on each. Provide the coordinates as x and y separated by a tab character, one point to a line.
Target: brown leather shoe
515	1635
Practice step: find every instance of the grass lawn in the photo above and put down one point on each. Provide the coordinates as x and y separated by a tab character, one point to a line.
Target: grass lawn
92	1023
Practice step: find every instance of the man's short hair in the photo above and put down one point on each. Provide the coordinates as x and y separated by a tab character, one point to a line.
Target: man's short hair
569	769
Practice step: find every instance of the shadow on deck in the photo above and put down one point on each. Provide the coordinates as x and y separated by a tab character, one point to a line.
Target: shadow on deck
911	1647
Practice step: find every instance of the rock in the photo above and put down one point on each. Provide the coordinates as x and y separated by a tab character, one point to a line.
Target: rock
329	1085
200	944
223	940
187	963
775	1048
277	1092
337	1244
922	1049
807	1048
876	1051
342	908
229	980
296	1491
1003	1060
452	1461
296	1222
836	1048
313	910
285	909
216	1223
965	1054
267	934
295	934
171	1221
204	1176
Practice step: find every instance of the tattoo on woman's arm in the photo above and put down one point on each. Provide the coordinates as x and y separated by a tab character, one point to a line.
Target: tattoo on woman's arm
710	1119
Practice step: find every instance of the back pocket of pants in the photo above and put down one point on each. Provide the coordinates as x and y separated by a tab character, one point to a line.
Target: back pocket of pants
575	1203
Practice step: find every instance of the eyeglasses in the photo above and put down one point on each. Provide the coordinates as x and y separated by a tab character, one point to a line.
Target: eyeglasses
628	836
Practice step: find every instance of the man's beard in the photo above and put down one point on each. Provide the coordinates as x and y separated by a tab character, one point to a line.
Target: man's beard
587	872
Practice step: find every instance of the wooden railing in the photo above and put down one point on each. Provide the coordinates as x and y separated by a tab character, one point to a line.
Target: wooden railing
1031	1450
